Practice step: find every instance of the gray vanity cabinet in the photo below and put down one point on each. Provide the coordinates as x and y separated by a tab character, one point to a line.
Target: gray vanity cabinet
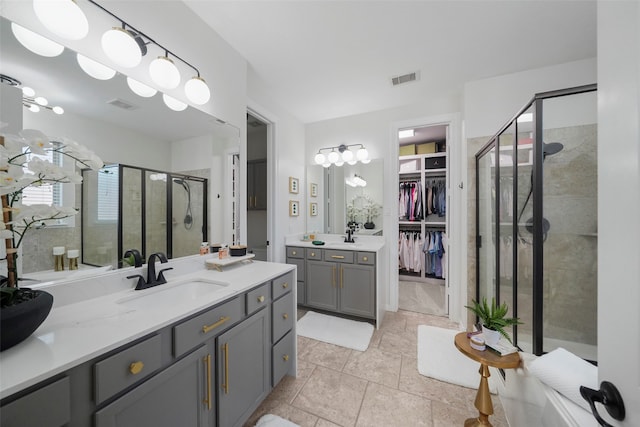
243	368
295	256
341	281
180	395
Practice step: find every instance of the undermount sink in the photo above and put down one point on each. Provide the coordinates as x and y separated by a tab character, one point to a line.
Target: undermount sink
171	294
343	245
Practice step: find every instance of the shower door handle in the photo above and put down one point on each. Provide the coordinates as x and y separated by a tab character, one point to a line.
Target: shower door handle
609	396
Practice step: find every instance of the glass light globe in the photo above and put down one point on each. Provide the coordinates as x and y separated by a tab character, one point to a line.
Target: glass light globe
197	91
120	46
27	91
164	73
333	157
362	154
35	42
34	108
140	89
62	17
326	165
347	155
58	110
352	162
319	158
95	69
339	163
173	103
366	161
41	100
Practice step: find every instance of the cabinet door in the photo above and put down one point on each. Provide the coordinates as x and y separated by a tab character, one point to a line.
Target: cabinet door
181	395
260	185
357	290
322	285
243	369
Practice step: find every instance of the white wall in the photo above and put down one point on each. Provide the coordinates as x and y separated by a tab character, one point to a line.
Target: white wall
286	159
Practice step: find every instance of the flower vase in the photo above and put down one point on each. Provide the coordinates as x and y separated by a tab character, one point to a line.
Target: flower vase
490	336
369	225
20	320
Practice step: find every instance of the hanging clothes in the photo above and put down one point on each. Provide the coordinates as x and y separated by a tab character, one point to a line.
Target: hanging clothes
436	194
410	206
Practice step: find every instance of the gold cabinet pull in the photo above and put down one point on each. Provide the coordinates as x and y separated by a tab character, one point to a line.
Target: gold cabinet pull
337	256
225	384
285	316
207	363
285	357
364	258
295	253
333	276
313	254
261	298
341	277
285	285
206	329
136	367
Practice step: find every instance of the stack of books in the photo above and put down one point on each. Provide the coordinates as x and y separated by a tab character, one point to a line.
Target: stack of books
502	347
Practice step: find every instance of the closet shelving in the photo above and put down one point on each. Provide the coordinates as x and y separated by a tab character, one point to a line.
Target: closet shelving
422	168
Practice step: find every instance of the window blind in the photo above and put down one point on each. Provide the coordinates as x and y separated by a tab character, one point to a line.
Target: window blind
108	194
48	194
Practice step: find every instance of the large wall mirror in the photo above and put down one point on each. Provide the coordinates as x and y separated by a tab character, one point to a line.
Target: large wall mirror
127	129
343	196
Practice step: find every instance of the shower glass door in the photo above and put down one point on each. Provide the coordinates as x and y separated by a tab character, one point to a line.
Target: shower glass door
156	229
486	248
187	207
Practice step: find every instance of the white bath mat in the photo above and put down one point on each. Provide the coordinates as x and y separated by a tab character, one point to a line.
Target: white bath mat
439	358
335	330
271	420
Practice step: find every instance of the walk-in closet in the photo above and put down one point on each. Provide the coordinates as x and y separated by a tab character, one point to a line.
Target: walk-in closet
422	220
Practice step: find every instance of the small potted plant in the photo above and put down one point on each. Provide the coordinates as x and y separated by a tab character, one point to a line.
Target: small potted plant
371	211
493	320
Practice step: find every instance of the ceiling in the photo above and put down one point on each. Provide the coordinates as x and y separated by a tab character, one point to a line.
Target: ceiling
329	59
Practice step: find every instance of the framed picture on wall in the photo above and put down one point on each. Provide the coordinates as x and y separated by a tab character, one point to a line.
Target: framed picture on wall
313	209
313	190
293	185
294	208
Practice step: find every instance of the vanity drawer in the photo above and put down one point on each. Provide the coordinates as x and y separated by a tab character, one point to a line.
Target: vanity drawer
49	406
282	357
338	256
295	252
126	368
258	298
283	284
207	325
283	316
314	254
367	258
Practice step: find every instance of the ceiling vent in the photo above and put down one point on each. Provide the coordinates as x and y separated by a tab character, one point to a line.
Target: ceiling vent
117	102
405	78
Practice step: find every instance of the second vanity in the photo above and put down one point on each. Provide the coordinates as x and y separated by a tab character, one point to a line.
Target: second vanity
203	350
339	277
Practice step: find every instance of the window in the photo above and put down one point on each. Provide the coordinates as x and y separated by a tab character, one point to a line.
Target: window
108	194
49	194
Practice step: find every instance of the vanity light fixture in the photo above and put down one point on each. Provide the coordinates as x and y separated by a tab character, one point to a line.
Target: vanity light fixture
355	181
164	72
341	154
94	68
29	99
62	17
406	133
173	103
124	47
140	89
35	42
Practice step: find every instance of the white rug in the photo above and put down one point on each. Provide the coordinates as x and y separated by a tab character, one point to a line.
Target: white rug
335	330
439	358
271	420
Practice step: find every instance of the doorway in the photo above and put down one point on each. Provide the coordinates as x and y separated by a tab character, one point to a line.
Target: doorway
257	188
423	219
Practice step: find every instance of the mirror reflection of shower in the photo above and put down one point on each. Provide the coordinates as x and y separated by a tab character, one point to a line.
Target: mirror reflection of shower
549	149
188	217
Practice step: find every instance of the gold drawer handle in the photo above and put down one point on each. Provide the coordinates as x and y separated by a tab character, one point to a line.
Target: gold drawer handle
313	254
225	384
285	357
208	400
261	298
285	285
294	253
285	316
364	258
206	329
337	256
136	367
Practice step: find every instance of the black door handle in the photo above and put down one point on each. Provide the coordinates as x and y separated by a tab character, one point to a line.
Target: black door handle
609	396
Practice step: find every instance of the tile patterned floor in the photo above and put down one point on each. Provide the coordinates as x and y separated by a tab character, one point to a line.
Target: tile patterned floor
378	387
421	297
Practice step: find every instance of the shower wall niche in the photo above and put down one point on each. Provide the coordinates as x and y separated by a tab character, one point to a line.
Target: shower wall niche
536	218
127	207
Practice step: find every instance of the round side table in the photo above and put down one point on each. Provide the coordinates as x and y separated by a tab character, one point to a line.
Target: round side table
486	358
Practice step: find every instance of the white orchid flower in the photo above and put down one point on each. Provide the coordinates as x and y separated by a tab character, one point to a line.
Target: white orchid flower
10	179
36	140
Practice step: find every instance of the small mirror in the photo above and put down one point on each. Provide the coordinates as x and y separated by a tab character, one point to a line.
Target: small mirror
343	196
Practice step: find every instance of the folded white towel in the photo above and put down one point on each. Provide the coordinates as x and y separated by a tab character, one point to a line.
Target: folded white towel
565	372
271	420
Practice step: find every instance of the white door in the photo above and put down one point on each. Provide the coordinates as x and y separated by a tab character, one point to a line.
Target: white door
619	203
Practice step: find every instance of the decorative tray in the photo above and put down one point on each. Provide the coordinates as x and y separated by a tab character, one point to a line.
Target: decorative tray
217	263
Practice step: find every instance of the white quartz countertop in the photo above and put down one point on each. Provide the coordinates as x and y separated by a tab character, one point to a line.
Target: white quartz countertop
94	315
336	241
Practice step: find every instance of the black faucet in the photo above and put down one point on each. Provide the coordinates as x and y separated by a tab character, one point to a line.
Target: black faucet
349	238
137	258
152	280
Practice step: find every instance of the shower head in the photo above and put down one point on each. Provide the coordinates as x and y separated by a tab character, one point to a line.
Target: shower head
551	148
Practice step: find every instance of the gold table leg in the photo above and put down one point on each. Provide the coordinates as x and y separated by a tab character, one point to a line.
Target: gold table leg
483	400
